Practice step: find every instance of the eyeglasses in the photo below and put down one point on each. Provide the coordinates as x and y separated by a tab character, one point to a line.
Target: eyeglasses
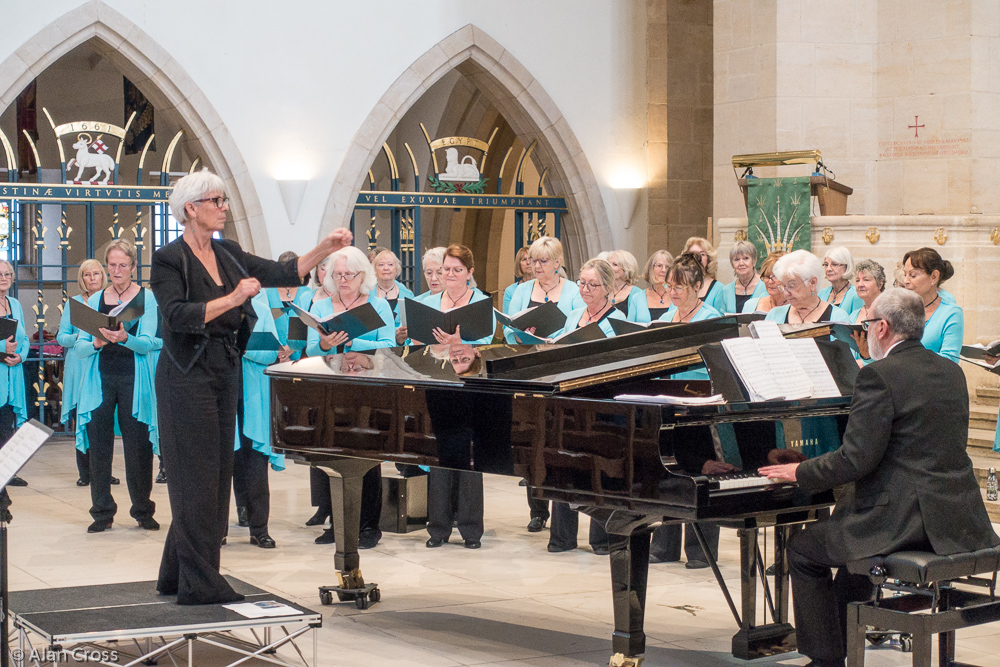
539	262
452	270
676	289
828	264
660	267
218	201
588	287
6	275
430	273
866	324
119	267
768	278
345	276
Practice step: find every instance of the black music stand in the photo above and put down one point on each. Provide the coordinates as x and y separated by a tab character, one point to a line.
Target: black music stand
15	453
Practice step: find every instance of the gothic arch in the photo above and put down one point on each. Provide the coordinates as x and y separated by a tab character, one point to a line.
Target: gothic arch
523	102
165	84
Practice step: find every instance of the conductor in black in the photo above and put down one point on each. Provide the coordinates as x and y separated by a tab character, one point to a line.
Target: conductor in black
203	286
909	482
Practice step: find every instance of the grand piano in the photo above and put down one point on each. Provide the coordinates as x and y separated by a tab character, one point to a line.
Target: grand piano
550	416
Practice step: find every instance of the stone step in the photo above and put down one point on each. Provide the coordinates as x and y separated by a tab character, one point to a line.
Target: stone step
988	395
983	416
981	439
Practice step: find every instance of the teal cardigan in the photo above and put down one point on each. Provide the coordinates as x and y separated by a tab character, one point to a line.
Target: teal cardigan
849	303
569	300
434	301
146	346
384	336
67	337
12	388
257	386
573	321
943	333
508	293
715	298
638	308
729	296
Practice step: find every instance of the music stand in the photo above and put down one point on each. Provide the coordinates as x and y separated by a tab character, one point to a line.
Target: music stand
15	453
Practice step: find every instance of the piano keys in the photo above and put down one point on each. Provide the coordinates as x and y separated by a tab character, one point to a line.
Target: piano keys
630	466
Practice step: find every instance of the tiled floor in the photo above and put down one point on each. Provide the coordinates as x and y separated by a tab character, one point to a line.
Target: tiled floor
510	603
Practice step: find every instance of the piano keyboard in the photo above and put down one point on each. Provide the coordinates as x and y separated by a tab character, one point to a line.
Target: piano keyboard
738	480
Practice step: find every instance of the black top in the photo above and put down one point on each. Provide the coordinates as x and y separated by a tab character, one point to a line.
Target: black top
116	359
622	306
182	287
657	313
825	317
532	303
392	303
741	300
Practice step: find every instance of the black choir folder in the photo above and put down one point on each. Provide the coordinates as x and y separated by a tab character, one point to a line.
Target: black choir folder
355	322
476	320
85	318
546	319
976	354
8	329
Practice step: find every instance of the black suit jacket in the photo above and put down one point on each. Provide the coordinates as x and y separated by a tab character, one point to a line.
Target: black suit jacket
905	463
182	300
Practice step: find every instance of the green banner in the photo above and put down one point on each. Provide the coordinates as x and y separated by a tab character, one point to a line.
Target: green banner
778	215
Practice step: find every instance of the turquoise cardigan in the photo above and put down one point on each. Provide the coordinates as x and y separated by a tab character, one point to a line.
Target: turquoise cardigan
715	298
849	303
634	293
706	312
303	299
729	296
944	331
257	386
638	308
780	314
573	322
569	300
508	293
67	337
434	301
12	388
146	346
384	336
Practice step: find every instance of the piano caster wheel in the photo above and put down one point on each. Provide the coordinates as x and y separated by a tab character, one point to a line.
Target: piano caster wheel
325	598
363	596
619	660
363	602
906	644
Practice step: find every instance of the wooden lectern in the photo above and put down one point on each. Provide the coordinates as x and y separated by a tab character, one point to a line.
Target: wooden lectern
832	195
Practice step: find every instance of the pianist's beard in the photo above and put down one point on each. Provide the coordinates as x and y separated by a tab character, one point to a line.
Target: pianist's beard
874	348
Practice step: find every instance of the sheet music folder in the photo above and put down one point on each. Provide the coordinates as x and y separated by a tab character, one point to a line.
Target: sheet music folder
546	319
8	329
87	319
355	322
475	319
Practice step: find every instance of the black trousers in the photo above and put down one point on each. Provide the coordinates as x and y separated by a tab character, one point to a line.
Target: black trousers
566	524
666	542
455	495
819	599
116	391
6	433
82	464
539	507
197	425
371	497
250	485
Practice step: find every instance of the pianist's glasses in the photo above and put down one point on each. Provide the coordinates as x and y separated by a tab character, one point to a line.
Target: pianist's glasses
865	324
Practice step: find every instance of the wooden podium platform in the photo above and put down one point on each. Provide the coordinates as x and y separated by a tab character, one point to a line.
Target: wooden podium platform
832	195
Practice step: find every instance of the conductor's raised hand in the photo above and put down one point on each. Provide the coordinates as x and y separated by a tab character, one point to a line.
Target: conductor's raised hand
338	238
246	289
330	341
448	339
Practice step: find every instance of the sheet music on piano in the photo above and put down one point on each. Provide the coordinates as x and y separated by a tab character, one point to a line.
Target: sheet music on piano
811	359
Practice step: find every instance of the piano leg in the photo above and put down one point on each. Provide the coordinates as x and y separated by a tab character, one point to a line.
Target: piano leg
346	477
757	641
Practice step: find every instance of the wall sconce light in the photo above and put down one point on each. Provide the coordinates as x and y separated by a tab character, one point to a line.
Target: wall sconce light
292	192
628	199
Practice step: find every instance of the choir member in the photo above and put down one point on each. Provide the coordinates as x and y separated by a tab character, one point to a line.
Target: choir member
649	304
684	282
748	284
869	281
597	282
711	289
549	282
280	298
459	290
433	278
775	295
91	279
13	401
387	269
522	270
117	375
924	272
838	267
626	270
202	285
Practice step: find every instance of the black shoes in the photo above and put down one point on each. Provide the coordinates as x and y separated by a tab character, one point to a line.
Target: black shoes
16	481
557	548
223	542
536	525
696	565
161	477
83	482
115	481
149	523
6	516
473	544
656	558
369	539
327	537
434	542
317	519
601	550
99	526
242	517
264	541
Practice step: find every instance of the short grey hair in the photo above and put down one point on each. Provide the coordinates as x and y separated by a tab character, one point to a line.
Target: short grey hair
356	262
873	269
191	187
902	310
743	249
842	255
315	282
435	255
800	264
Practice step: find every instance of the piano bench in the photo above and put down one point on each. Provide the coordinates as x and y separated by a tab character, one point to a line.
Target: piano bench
927	601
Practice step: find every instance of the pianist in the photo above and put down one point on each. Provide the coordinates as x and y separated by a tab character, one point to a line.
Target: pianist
910	484
202	286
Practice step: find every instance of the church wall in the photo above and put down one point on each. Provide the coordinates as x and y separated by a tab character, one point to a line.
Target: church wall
293	84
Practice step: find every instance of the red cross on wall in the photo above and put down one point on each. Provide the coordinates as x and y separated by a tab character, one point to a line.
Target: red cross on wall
915	127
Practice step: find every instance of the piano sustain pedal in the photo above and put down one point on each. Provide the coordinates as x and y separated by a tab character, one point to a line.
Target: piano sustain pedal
352	587
619	660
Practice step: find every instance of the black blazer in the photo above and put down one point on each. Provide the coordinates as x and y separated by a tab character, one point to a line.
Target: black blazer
904	460
182	299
